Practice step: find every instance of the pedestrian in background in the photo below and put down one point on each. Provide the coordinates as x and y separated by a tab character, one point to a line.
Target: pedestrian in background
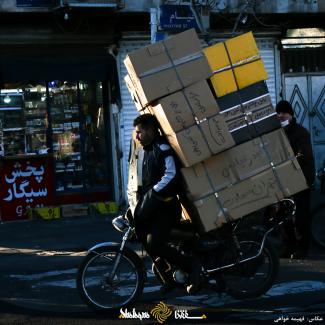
299	138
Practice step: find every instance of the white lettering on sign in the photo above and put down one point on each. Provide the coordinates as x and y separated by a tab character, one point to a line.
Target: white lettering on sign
22	188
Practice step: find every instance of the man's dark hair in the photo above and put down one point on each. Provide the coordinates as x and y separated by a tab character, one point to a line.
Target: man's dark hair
146	120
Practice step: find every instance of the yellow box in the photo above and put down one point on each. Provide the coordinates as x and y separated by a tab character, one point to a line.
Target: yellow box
248	74
47	213
29	213
223	83
112	207
105	207
226	82
217	56
242	48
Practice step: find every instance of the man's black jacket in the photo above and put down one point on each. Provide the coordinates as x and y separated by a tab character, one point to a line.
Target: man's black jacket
159	169
160	182
299	139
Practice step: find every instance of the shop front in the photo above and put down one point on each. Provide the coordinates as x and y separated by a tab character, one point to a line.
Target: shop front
55	131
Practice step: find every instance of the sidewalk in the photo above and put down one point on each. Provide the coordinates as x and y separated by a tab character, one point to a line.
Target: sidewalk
65	234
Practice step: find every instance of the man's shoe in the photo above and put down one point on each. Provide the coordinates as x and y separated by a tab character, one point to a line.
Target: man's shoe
193	288
299	254
195	278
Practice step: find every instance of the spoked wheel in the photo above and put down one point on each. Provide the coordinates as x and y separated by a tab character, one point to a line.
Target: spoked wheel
253	278
318	225
103	290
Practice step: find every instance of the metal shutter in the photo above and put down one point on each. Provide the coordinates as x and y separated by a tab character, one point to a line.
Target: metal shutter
267	51
128	112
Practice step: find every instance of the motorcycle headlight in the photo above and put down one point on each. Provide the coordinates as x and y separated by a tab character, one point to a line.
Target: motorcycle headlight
120	223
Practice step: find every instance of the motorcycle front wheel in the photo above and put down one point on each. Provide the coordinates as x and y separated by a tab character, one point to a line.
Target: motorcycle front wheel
101	289
254	278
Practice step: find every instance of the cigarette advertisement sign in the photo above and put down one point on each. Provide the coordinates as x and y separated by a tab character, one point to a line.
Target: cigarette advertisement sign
24	184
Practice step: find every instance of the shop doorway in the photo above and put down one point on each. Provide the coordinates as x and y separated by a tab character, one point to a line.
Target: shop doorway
306	93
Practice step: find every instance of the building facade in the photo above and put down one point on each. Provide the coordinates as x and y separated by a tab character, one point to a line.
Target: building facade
66	114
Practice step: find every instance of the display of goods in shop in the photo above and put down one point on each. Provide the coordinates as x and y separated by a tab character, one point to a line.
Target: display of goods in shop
222	126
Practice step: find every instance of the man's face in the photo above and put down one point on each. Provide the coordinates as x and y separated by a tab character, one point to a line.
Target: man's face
282	116
144	135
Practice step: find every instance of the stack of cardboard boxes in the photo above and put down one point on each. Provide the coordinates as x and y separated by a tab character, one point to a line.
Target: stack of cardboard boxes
215	110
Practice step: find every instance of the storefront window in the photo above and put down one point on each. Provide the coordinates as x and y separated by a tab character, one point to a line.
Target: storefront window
66	135
23	120
35	111
61	118
95	158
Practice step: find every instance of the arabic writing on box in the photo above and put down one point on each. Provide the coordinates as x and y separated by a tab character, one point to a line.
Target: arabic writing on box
20	181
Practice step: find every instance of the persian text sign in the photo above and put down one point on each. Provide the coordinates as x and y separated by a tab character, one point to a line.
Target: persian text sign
24	184
177	17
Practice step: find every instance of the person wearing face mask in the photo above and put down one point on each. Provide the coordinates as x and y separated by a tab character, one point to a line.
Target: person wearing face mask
299	138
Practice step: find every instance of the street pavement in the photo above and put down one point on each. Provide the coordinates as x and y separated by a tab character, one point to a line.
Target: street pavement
40	258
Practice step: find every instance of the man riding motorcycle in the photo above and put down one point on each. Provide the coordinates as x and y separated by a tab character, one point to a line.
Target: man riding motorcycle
156	208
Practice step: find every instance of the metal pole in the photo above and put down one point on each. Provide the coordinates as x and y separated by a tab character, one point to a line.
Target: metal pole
153	23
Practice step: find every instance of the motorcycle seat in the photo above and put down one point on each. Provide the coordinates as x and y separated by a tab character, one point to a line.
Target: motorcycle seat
184	230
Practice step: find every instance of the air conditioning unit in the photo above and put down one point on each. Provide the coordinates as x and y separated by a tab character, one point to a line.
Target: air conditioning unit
91	3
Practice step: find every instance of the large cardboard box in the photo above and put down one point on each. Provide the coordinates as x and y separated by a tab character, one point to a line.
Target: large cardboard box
190	120
235	63
133	93
235	78
167	66
251	119
251	126
236	164
236	50
201	141
212	211
241	96
248	107
186	107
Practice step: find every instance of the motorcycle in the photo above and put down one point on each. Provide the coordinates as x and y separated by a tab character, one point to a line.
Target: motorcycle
238	261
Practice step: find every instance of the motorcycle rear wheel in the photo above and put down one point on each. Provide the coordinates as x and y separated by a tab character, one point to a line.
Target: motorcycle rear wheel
254	278
101	291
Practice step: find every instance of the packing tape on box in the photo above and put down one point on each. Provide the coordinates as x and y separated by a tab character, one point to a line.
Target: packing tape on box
275	173
172	64
198	122
237	64
241	103
264	147
216	196
258	103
